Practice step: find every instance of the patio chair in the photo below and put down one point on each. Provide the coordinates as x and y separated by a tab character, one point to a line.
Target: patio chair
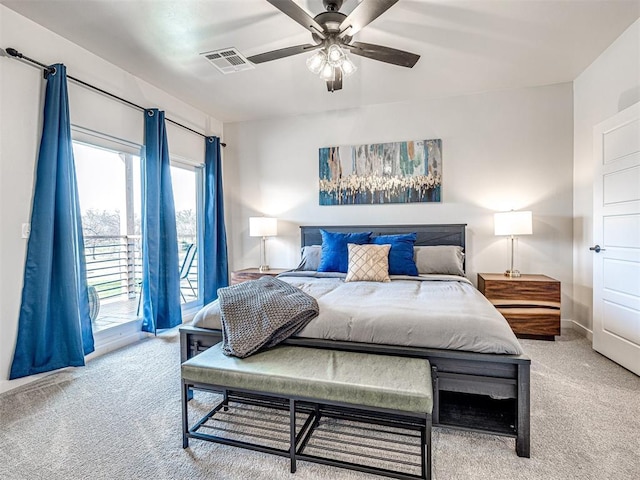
94	303
186	267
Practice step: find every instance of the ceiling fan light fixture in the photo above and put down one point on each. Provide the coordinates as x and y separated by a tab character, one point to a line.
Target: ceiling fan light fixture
335	55
327	72
332	33
348	67
316	62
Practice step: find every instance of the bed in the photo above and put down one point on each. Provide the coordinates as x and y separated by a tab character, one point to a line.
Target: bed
480	374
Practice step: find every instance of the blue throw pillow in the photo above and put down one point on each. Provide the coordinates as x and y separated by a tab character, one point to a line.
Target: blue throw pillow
401	254
335	254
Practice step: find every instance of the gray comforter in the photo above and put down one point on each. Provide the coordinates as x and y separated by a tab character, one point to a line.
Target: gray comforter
432	311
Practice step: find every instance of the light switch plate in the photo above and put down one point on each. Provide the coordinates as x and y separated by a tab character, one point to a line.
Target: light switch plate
26	230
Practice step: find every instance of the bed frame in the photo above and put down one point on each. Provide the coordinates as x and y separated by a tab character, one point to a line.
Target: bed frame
481	392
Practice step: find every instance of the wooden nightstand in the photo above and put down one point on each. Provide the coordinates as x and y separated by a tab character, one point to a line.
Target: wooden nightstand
240	276
530	303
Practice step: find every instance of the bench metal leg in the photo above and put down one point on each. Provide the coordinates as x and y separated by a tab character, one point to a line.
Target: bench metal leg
292	420
425	432
423	457
185	416
436	395
185	350
225	401
428	446
523	442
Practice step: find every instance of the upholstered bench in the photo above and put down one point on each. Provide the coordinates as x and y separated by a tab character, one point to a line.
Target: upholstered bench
359	388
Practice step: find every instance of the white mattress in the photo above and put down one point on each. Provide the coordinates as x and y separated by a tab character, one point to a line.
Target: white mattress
432	311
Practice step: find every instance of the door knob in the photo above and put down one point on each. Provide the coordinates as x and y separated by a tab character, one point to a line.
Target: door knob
597	249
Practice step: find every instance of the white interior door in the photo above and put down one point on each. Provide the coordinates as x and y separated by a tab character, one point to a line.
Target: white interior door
616	235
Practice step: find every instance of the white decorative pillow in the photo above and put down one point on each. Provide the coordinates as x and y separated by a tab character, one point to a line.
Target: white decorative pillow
368	263
443	259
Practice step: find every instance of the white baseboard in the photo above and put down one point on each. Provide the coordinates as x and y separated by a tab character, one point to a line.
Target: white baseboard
566	323
6	385
581	329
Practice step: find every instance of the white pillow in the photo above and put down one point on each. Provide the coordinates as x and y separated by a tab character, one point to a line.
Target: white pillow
443	259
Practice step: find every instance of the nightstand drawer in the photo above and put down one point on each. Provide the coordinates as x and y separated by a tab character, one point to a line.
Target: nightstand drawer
514	292
533	321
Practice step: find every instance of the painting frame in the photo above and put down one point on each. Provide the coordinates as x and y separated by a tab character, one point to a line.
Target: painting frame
381	173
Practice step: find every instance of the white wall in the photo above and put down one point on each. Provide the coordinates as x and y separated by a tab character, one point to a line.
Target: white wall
610	84
502	150
21	94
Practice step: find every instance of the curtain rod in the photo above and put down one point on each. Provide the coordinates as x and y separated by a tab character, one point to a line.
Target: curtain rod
49	69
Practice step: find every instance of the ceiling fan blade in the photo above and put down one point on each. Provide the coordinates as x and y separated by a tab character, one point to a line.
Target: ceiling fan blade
282	53
336	83
293	11
383	54
365	13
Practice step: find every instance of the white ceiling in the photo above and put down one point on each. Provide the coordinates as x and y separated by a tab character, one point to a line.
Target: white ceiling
465	46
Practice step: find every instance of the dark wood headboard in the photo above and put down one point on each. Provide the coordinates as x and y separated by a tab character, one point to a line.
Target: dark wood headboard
451	234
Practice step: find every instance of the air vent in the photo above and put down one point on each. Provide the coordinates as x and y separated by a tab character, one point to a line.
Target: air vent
228	60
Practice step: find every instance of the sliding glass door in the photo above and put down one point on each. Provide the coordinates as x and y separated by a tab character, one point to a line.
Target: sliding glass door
109	190
187	195
109	187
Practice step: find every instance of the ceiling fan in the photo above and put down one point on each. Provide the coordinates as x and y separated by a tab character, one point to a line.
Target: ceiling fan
332	33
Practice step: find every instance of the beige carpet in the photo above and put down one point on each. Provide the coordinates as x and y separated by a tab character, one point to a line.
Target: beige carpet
119	418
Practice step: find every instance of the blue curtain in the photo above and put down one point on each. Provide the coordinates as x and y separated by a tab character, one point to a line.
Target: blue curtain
54	329
214	250
160	270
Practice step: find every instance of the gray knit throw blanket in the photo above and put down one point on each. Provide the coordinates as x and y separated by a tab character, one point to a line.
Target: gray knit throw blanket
262	313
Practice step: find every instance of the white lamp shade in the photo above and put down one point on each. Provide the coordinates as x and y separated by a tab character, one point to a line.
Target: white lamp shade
316	62
263	227
348	67
513	223
335	55
327	72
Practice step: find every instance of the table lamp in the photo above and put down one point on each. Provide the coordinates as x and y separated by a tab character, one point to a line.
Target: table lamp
263	227
512	224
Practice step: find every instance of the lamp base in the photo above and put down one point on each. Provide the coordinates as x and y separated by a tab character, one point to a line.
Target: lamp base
265	268
512	273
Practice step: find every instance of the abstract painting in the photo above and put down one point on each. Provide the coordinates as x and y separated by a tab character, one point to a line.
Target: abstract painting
398	172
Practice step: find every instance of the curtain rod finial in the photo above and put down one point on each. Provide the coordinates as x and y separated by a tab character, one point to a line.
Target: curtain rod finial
13	52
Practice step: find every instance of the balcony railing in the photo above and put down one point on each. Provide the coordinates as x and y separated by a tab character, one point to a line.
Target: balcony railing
114	269
114	265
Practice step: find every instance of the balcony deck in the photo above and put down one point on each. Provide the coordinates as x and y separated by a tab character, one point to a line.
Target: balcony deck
118	310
